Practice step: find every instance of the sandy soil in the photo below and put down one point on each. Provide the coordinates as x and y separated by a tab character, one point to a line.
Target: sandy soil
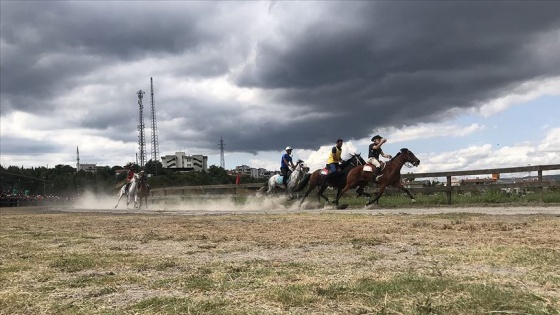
270	205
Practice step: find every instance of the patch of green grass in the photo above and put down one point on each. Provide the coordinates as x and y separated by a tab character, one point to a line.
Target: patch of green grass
85	307
293	295
491	196
93	279
75	262
530	256
197	282
545	258
414	294
180	305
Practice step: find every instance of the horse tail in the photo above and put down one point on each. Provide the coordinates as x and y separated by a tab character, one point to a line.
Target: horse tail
303	183
263	189
119	185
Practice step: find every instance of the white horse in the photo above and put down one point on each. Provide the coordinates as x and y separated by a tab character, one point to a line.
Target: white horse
275	181
132	192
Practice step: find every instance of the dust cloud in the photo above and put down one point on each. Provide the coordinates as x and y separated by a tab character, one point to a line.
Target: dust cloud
90	201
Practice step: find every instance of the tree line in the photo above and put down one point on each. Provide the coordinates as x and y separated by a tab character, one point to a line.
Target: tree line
64	180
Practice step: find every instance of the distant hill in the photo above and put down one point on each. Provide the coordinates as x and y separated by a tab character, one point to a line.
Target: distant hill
555	178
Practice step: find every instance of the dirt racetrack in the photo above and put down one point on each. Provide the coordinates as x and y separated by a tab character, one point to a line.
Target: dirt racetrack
278	205
275	206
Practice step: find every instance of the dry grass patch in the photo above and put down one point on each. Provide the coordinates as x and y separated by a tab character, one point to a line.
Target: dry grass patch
303	263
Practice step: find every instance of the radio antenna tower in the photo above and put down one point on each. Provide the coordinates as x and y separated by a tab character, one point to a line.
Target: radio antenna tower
222	160
155	144
141	139
77	159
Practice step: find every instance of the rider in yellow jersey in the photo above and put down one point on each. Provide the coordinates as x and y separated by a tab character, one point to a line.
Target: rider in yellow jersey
335	157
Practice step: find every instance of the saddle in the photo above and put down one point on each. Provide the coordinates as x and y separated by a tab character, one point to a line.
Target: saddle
280	179
370	167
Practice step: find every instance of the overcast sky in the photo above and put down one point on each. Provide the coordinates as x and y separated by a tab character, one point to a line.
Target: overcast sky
464	85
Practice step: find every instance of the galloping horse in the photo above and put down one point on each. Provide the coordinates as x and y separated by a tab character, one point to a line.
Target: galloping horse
337	181
360	176
294	179
142	192
132	190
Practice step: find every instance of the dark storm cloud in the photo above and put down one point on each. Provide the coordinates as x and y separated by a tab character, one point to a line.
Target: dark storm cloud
48	46
379	64
324	70
26	147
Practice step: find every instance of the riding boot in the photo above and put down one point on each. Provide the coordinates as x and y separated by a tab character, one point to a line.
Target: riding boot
378	174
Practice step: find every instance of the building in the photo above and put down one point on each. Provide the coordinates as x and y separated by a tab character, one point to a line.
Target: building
187	163
478	181
260	173
245	170
87	167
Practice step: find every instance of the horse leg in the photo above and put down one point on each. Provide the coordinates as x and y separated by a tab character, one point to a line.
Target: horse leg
122	193
378	195
320	193
340	192
338	195
305	195
360	191
401	187
118	200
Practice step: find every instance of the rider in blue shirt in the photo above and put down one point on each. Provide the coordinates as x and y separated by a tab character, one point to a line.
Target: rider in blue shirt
285	165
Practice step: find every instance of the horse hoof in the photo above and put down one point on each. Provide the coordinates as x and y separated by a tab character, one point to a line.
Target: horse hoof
342	207
413	200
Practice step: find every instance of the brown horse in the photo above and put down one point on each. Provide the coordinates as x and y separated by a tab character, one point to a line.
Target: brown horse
362	175
143	191
337	180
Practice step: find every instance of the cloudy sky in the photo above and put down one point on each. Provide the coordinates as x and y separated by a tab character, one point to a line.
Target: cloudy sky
464	85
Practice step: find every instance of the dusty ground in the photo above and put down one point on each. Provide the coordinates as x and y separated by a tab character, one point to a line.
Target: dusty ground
90	203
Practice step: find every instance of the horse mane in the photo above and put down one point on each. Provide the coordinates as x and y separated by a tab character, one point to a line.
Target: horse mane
403	150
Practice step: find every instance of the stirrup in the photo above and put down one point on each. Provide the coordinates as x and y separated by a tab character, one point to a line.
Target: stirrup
378	177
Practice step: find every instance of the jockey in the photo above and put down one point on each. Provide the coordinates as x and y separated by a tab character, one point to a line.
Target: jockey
335	158
144	178
129	176
374	152
285	165
142	175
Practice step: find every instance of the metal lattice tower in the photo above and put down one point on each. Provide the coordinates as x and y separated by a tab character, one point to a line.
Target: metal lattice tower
141	139
77	159
155	144
222	159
